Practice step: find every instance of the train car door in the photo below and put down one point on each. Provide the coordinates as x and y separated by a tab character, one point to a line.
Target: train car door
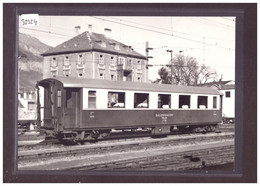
72	108
52	103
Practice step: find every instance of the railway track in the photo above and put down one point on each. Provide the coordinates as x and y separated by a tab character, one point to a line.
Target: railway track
54	143
53	158
184	160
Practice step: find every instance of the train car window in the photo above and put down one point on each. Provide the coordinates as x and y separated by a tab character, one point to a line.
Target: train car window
202	102
59	98
184	101
141	100
164	101
116	100
92	99
214	101
68	99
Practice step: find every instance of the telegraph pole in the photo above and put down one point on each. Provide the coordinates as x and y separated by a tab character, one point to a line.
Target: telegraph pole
147	48
172	78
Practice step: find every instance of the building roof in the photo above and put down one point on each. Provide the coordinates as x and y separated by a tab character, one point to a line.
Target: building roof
93	42
21	54
69	82
221	85
228	87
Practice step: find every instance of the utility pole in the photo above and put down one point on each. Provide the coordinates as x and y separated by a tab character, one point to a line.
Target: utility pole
172	78
204	49
147	48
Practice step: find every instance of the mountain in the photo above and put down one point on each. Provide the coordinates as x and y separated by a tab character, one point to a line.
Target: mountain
30	60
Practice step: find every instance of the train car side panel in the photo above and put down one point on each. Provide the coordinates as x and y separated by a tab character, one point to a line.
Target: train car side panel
149	118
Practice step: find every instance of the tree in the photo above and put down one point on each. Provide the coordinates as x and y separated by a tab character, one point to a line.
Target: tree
186	71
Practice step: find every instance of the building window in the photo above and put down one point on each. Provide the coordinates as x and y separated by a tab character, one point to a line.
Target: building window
164	101
66	73
101	59
103	44
112	60
54	62
129	64
184	101
80	72
202	102
92	99
80	60
121	61
116	100
31	106
54	73
113	77
66	61
227	94
141	100
59	98
101	76
22	96
117	47
139	66
214	101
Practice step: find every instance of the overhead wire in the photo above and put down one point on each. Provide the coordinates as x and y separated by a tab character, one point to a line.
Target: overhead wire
63	35
183	33
159	32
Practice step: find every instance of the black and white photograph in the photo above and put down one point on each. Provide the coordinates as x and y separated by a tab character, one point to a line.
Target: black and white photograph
122	93
126	93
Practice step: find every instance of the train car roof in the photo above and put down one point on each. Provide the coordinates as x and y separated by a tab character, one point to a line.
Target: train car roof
69	82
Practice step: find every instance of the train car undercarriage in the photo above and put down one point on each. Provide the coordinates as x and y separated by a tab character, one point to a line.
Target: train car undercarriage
84	135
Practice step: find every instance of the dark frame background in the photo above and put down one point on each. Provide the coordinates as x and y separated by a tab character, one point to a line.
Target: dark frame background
246	91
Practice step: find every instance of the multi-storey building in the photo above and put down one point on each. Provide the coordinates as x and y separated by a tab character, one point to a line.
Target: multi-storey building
97	56
27	106
228	91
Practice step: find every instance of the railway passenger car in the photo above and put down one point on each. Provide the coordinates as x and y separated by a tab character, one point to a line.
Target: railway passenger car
81	109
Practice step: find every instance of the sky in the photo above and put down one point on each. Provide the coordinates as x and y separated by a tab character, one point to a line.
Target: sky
211	40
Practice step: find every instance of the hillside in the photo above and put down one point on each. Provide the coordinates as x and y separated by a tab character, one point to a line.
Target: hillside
30	61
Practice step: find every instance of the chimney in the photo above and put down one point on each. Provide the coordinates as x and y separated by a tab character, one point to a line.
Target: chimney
77	30
107	32
90	29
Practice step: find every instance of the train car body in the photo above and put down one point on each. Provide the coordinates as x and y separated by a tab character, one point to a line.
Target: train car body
79	109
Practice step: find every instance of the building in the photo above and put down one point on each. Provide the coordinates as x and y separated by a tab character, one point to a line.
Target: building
95	56
27	106
228	91
228	101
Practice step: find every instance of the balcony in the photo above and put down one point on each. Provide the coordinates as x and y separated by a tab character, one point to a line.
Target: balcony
112	67
80	66
54	68
101	66
66	67
139	71
124	67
